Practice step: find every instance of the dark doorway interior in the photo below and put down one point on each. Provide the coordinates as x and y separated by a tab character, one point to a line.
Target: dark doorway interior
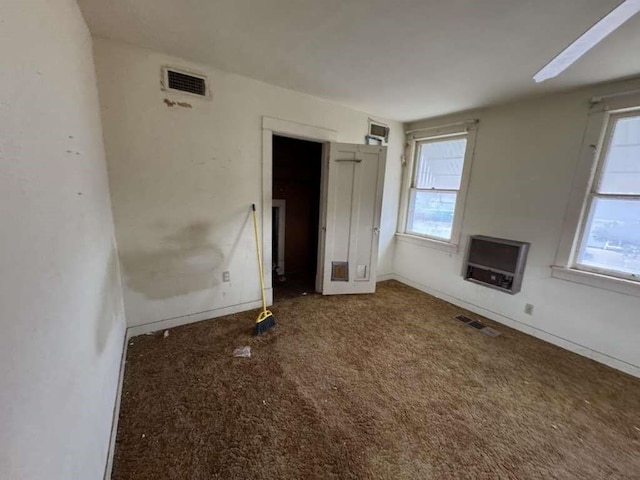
296	180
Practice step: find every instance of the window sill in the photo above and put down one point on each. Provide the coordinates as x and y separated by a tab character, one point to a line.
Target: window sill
427	242
605	282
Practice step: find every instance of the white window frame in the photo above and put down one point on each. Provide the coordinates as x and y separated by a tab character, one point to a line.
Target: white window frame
415	138
588	175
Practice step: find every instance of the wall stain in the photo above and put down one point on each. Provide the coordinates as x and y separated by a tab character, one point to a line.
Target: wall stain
171	103
188	263
111	306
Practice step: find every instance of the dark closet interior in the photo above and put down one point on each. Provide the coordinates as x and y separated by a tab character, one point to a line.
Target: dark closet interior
296	180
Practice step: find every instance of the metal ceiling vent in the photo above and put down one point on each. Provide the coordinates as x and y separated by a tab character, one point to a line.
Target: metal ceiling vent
185	82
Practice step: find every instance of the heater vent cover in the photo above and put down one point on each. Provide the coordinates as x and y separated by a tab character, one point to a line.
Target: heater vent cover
186	82
377	133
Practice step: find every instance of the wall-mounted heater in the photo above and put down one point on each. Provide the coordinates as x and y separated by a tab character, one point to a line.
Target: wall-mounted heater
496	263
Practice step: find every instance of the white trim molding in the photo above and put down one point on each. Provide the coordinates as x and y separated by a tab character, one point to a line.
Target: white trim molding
145	328
385	277
414	137
302	131
111	449
149	328
561	342
585	172
286	128
616	101
594	144
428	242
597	280
281	205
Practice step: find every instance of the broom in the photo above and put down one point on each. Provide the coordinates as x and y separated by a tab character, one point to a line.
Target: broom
265	319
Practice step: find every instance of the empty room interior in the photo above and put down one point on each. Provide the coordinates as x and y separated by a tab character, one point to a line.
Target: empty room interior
328	239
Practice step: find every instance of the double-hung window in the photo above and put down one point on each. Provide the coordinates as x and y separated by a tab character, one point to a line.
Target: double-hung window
609	237
436	187
600	243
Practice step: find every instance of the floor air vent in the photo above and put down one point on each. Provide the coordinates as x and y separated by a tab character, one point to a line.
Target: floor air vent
492	332
185	82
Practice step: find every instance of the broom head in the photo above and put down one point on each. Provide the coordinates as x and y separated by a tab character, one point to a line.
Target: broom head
265	321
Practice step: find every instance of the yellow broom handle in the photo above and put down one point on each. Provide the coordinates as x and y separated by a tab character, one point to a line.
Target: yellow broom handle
255	229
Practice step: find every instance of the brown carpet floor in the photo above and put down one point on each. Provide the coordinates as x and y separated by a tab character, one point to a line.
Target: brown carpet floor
384	386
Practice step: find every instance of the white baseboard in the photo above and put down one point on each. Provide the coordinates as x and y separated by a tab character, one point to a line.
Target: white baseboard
191	318
116	412
384	277
535	332
163	325
219	312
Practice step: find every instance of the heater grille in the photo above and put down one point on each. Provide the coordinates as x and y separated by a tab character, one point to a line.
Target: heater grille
491	332
184	82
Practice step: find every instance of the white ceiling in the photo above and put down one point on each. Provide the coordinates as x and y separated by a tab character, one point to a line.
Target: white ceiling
400	59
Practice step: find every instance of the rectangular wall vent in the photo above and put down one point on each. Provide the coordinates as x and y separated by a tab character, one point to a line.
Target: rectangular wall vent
186	82
378	133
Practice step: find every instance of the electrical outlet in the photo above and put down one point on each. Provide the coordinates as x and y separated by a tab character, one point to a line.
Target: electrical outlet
226	276
528	309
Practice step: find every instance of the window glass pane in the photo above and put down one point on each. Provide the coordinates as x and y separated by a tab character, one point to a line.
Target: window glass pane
440	164
431	213
621	171
612	236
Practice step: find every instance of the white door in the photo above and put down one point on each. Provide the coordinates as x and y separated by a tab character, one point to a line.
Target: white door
353	192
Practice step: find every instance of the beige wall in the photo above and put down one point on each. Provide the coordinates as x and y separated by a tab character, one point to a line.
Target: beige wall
183	179
61	313
525	161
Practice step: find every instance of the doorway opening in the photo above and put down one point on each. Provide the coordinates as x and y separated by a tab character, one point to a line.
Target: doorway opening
297	167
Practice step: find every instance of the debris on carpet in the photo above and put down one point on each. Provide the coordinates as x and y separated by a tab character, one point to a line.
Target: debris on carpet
242	352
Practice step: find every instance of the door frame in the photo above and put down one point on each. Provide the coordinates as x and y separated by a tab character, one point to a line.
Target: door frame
275	126
281	205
